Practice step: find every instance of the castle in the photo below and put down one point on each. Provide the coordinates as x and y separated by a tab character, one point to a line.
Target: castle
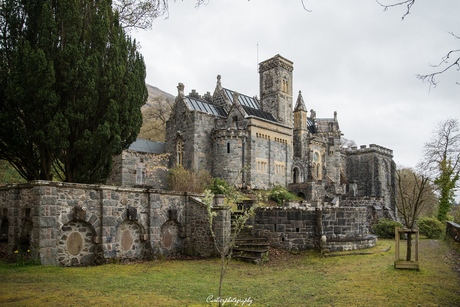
260	143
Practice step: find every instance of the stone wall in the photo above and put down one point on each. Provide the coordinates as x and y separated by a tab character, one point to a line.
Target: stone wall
374	171
302	228
76	224
453	230
137	169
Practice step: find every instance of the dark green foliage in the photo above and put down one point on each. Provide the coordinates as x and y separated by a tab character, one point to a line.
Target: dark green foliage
431	227
71	88
219	186
280	194
385	228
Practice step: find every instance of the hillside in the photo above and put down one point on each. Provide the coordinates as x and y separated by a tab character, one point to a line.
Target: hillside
155	113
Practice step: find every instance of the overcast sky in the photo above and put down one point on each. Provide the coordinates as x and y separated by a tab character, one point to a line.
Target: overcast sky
349	56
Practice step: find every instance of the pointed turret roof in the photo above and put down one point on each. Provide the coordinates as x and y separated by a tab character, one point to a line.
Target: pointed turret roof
300	105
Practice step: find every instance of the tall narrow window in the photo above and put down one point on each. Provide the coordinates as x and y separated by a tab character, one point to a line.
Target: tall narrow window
140	172
228	147
180	152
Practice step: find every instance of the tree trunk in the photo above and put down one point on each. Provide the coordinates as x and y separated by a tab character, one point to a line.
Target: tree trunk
409	246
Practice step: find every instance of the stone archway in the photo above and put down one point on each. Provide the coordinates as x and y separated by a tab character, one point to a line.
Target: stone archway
296	175
75	244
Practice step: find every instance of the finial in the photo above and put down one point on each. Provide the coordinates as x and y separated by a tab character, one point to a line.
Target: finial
180	89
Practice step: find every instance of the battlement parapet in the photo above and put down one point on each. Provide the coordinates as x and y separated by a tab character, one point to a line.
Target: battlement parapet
364	149
228	133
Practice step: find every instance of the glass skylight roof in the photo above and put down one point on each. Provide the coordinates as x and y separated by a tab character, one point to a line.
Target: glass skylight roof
243	99
198	105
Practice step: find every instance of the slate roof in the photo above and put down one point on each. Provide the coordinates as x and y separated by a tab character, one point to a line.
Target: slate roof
147	146
199	105
259	113
300	105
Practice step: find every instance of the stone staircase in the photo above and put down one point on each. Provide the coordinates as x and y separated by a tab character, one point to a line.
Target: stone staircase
248	247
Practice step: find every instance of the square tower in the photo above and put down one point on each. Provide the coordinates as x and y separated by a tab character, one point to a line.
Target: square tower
276	88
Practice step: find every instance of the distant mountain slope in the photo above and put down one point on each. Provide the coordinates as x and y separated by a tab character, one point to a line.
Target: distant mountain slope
155	113
155	92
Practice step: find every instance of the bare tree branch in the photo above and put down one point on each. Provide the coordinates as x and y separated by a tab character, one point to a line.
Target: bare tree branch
140	14
431	78
408	3
304	7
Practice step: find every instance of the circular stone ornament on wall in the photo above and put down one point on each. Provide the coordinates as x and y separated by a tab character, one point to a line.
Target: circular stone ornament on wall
74	243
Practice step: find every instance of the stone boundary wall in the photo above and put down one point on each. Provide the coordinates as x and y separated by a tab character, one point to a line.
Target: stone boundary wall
79	224
301	229
453	230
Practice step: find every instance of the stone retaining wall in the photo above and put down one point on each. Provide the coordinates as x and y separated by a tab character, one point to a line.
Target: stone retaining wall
78	224
301	229
453	230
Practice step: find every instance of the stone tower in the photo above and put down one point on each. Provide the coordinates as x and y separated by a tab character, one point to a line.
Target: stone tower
276	88
300	128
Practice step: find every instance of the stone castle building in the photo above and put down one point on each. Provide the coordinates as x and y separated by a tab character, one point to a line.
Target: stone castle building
251	142
259	143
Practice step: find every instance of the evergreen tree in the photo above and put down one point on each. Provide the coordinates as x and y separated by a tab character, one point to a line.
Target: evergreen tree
71	88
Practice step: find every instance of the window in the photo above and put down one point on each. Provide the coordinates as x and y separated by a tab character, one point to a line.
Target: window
179	152
228	147
140	172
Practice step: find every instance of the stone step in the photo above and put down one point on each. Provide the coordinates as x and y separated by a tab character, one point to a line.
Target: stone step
250	250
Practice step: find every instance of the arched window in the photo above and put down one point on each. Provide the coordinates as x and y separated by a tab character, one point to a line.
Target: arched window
179	152
296	175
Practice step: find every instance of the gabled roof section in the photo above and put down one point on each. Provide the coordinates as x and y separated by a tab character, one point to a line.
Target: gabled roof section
300	105
311	125
203	106
243	99
147	146
259	113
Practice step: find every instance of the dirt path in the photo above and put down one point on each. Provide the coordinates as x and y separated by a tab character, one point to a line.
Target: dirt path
431	250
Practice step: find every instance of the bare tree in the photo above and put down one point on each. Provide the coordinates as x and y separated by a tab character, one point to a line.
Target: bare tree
413	192
347	143
140	14
155	117
442	160
449	61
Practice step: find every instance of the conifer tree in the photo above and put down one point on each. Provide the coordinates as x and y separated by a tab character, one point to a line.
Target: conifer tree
71	88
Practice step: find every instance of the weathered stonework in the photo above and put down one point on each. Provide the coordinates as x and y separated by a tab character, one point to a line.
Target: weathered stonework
302	228
259	144
76	224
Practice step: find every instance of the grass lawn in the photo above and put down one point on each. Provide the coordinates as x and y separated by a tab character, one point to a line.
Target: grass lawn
304	279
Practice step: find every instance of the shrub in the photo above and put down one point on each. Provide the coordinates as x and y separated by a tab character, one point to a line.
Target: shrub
219	186
430	227
385	228
280	194
182	180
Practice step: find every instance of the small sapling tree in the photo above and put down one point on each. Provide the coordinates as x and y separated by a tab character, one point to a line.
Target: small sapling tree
226	241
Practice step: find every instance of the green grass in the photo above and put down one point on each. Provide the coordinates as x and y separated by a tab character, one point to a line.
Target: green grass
305	279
